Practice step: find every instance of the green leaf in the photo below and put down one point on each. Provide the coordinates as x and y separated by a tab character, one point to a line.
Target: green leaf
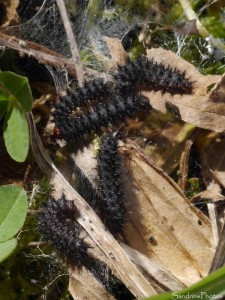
211	287
16	134
6	248
13	208
19	87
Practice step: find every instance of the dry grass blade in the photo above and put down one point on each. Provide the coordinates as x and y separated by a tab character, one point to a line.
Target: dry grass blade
212	210
163	224
126	270
160	276
191	15
219	258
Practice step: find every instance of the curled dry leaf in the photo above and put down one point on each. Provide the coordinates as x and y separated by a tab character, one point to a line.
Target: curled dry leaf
201	108
163	224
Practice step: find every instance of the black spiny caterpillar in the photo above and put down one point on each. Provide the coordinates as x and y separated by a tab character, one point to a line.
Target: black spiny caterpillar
114	110
112	207
92	91
57	224
150	75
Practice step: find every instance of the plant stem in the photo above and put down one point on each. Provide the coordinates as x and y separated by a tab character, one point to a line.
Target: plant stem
72	42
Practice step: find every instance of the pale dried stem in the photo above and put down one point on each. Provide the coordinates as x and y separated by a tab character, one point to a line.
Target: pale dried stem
212	210
191	15
37	244
72	41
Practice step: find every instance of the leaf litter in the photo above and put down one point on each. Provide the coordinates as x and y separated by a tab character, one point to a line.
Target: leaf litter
164	225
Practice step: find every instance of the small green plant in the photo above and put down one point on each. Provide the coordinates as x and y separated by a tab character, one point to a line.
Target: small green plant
15	100
13	208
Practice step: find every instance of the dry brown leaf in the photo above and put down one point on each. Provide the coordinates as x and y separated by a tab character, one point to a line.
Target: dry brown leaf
200	108
163	225
83	285
118	54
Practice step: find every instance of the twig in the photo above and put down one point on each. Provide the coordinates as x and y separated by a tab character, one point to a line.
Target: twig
212	210
191	15
39	52
184	167
44	55
72	41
